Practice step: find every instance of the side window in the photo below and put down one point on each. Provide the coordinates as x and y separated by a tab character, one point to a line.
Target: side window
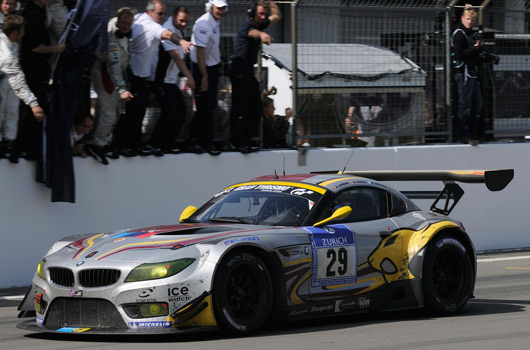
397	205
366	203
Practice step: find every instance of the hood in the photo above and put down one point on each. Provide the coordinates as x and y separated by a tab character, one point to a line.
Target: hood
150	244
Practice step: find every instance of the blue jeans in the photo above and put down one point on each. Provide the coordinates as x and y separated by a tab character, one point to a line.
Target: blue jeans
469	105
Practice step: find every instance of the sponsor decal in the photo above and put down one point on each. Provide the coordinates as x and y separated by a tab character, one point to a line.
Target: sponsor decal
145	300
91	254
146	292
319	309
178	294
349	305
301	192
241	239
298	312
364	302
39	320
342	305
153	324
72	330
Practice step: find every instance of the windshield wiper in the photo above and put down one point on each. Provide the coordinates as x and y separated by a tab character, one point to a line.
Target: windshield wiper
231	219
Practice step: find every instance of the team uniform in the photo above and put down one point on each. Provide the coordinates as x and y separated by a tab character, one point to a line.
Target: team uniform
246	99
108	80
207	34
165	82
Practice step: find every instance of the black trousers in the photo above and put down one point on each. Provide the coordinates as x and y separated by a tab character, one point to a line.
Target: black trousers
202	130
172	115
128	131
246	106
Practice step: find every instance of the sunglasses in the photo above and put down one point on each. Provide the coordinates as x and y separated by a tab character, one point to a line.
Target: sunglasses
160	13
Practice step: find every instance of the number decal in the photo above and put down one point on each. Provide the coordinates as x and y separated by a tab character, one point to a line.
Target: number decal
331	254
342	264
334	256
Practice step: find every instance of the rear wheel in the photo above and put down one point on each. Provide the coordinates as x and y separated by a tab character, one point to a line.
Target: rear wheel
242	293
447	275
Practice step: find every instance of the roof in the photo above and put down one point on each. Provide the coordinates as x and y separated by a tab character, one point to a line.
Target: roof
346	65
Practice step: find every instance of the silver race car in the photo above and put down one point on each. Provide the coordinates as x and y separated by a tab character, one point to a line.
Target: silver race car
276	248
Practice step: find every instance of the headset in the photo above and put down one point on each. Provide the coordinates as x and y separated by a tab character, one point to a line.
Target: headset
251	12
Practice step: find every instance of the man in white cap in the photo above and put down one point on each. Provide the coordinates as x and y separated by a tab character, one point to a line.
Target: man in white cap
206	58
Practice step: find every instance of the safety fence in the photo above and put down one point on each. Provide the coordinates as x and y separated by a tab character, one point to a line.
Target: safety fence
378	72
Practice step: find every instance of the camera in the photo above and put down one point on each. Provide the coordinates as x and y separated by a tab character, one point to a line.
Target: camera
488	57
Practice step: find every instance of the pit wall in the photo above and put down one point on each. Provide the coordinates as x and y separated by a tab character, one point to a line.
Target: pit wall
147	191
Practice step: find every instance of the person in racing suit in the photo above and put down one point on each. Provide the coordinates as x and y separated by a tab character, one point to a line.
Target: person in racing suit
108	79
12	33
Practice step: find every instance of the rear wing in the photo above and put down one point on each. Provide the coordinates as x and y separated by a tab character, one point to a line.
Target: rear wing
495	180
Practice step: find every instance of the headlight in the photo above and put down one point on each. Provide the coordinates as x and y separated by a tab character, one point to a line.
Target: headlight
40	269
155	271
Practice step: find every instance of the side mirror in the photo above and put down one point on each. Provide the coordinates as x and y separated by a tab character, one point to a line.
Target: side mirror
340	213
186	213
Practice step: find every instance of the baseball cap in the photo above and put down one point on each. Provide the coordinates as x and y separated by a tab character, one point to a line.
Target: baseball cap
219	3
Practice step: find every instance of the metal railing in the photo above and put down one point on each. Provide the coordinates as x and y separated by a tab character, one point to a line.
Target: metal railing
378	72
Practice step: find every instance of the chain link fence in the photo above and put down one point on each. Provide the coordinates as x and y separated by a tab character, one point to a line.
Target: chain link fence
377	72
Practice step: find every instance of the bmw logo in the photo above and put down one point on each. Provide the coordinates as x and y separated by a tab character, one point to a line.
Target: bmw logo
80	263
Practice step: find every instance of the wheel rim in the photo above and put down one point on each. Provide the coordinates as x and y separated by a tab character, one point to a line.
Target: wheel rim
242	292
448	273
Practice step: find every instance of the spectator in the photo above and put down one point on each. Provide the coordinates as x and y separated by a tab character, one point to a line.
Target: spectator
246	99
206	58
165	86
147	33
35	51
57	14
109	81
466	60
274	126
79	132
12	33
7	7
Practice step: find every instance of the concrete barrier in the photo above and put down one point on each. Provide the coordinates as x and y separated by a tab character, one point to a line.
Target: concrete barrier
137	192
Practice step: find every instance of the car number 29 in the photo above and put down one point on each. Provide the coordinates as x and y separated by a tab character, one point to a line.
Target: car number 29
336	262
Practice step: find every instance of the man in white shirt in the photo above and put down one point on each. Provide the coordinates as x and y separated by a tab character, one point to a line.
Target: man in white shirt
147	33
206	57
165	85
12	33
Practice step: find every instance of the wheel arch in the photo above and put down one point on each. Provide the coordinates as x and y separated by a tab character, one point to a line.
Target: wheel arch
274	265
416	263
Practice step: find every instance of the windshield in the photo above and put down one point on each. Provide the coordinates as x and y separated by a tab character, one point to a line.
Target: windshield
259	204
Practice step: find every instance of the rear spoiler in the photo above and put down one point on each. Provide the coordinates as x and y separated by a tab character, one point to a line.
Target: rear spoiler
495	180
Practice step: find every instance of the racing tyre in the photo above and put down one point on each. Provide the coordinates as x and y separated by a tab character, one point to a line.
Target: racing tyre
242	293
447	276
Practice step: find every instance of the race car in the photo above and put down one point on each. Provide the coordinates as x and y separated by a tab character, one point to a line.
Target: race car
275	248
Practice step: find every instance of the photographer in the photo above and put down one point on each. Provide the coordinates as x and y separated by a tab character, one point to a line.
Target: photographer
467	58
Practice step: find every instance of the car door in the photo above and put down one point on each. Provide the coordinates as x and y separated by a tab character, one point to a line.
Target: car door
342	250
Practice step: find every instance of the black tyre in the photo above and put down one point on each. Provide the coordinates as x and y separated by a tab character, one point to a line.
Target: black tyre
242	293
447	276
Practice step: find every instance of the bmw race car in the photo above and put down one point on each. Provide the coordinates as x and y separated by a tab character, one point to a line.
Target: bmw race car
276	248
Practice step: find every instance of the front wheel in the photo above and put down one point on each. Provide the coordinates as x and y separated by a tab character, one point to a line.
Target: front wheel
242	293
447	276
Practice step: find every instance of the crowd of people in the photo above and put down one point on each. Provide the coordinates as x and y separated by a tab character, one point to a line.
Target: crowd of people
147	56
